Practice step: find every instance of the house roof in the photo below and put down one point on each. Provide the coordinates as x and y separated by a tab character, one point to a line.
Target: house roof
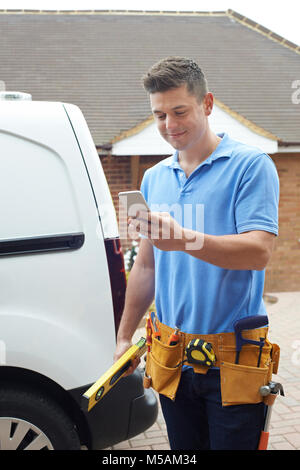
96	59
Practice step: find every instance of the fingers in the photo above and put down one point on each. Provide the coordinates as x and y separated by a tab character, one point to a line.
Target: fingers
139	225
149	224
134	365
121	349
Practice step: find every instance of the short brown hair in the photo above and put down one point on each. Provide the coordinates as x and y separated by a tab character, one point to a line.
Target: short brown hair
173	72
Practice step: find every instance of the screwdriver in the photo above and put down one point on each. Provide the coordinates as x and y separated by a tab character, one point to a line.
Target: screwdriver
156	331
174	337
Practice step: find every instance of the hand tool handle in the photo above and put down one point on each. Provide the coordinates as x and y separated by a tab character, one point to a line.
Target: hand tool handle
174	338
156	331
248	323
149	334
269	399
263	441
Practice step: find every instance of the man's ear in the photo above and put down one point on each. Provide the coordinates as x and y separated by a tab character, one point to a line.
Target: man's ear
208	102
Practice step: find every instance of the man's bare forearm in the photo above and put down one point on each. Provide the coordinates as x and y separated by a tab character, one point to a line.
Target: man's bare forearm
139	296
245	251
250	250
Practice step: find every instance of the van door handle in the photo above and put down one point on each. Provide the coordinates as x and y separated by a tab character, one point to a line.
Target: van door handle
19	246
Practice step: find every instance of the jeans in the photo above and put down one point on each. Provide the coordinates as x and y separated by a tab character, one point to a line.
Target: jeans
196	419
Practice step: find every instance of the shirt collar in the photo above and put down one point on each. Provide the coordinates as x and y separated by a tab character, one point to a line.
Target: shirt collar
224	149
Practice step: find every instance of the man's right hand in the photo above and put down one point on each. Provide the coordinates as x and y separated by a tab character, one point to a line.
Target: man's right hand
122	347
139	296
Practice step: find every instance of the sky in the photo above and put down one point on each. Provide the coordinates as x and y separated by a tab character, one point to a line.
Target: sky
281	17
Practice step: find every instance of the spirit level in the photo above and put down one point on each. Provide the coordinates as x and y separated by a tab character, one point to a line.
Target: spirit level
107	381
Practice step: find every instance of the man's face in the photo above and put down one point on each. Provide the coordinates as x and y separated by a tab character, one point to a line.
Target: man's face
180	118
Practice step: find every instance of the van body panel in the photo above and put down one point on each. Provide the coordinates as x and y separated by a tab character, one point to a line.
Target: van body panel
96	174
62	277
128	405
52	195
54	347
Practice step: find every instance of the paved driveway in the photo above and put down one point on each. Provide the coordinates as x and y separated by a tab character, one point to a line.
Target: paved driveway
284	316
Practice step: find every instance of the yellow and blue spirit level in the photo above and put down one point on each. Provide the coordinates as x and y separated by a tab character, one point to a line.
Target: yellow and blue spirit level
107	381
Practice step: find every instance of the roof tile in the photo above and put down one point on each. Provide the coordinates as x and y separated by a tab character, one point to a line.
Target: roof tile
96	60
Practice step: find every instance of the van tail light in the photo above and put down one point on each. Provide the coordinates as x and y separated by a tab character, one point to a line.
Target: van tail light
117	276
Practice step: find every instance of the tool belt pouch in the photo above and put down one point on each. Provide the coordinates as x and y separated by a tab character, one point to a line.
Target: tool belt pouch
240	383
275	356
163	367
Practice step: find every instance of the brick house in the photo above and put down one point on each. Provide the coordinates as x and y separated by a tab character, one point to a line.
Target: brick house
95	59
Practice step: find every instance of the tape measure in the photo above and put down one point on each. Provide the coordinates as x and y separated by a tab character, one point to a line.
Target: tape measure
200	352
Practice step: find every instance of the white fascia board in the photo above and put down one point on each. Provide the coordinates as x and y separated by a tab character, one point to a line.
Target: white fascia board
294	149
220	121
149	142
146	142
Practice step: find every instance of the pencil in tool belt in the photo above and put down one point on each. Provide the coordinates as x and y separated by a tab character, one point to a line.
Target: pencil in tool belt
154	323
149	334
174	337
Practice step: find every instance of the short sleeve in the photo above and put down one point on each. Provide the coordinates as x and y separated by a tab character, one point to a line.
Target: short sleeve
144	186
256	204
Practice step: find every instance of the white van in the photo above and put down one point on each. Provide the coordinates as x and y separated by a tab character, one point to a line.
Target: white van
62	285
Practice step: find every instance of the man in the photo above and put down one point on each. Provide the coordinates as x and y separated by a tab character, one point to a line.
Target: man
208	271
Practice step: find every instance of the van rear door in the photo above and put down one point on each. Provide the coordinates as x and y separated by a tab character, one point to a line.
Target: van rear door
105	208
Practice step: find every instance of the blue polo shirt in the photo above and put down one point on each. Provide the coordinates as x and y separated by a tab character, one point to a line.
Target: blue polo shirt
235	190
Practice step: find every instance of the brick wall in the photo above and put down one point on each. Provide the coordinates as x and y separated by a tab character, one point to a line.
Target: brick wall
118	174
283	270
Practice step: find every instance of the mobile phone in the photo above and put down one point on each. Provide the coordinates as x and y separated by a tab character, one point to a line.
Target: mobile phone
133	201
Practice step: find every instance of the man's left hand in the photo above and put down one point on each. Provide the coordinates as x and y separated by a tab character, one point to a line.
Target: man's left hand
161	229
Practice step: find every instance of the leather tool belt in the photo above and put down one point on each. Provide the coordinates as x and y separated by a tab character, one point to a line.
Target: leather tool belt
240	383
